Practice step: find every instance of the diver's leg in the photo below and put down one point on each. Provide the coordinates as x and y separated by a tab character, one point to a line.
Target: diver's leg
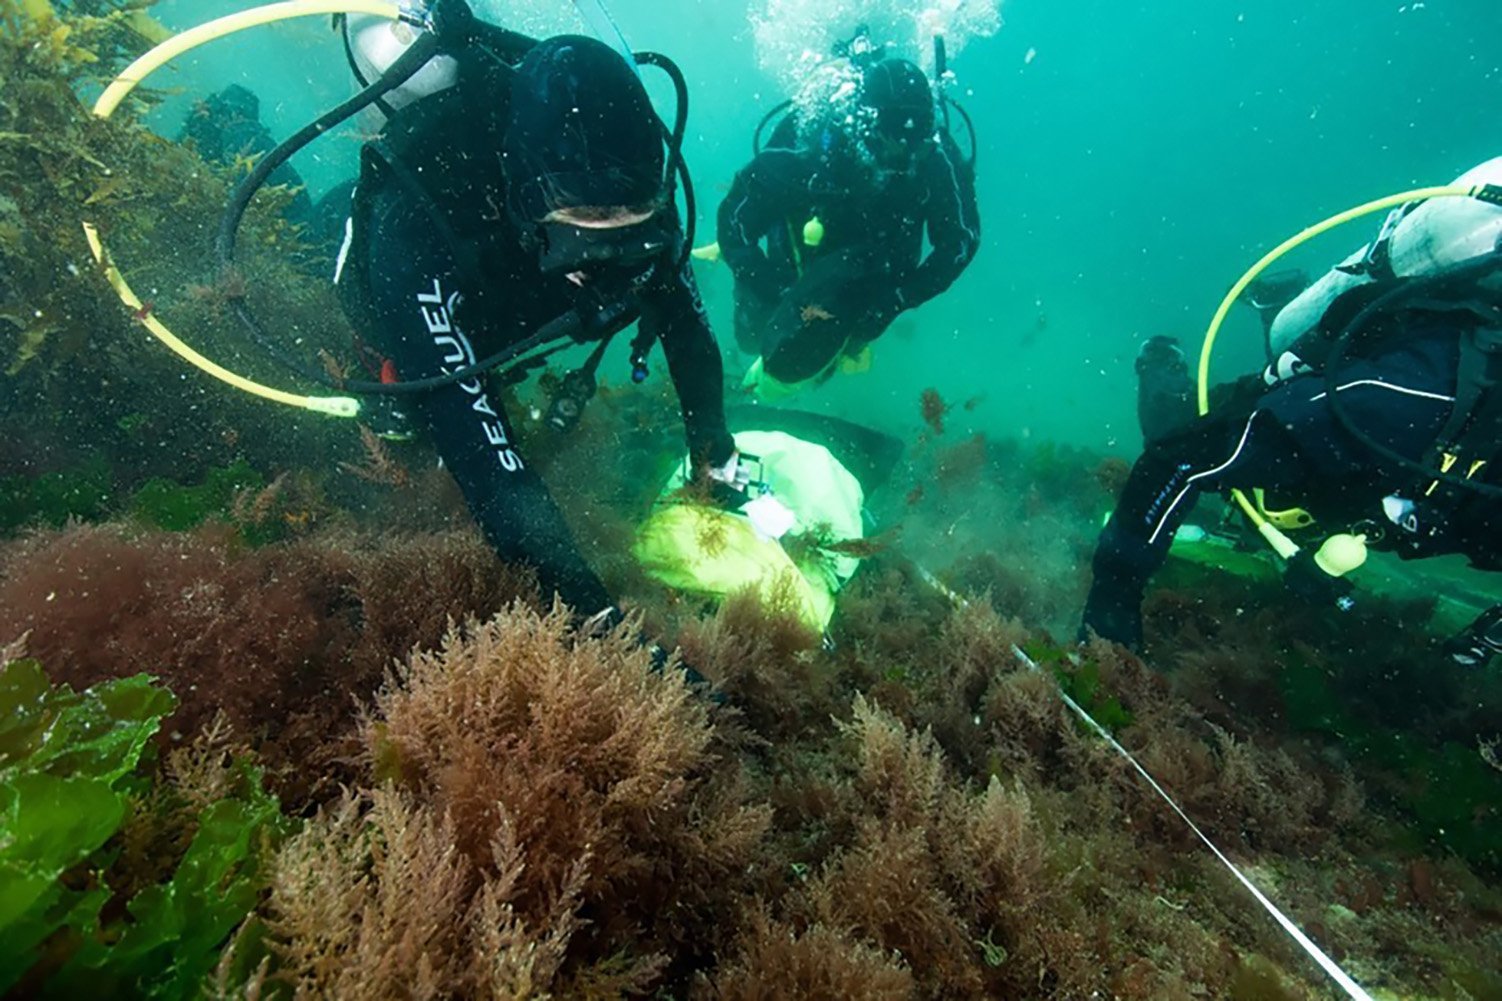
752	314
800	341
1291	439
829	308
413	285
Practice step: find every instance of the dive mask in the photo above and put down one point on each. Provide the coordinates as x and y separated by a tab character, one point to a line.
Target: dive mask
896	151
564	248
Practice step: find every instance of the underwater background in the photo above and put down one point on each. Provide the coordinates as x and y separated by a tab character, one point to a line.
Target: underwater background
1135	158
904	811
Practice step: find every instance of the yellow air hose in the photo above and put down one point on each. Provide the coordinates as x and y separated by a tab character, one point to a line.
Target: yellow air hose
1282	544
136	73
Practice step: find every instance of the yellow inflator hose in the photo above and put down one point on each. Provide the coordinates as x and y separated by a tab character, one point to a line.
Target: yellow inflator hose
1282	544
130	78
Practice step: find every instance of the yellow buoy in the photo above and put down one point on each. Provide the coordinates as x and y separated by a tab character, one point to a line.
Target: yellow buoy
813	232
1341	554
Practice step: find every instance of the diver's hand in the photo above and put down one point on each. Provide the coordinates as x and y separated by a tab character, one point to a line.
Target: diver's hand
733	473
608	619
1480	642
756	281
1304	578
1115	615
727	483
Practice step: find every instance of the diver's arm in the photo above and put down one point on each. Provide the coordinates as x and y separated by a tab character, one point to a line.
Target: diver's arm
761	196
953	227
673	310
413	281
1225	449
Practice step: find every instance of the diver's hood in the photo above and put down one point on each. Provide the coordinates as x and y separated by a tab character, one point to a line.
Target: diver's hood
582	132
899	93
1418	239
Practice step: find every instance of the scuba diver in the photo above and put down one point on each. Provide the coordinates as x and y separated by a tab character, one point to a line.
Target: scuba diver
226	129
1165	392
843	203
1378	410
515	185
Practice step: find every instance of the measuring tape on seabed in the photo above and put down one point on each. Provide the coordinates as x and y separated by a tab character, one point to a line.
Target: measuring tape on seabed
1327	964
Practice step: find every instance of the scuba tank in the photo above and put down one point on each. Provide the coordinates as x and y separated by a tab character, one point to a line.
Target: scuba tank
1418	239
374	44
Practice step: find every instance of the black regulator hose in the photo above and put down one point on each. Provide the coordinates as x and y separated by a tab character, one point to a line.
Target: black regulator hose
1461	275
677	165
422	50
766	120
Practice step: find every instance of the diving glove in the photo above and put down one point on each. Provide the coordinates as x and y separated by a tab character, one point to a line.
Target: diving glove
610	618
1304	577
734	473
1480	642
734	483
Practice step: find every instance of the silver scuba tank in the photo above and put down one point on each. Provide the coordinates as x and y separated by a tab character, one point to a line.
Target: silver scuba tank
1416	239
377	42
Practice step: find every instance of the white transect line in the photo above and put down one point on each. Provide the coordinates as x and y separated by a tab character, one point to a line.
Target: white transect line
1340	976
1352	989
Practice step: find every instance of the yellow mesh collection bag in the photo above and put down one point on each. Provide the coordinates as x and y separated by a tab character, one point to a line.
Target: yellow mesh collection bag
702	549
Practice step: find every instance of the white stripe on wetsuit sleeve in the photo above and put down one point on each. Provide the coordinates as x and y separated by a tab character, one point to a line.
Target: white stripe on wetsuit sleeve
1240	447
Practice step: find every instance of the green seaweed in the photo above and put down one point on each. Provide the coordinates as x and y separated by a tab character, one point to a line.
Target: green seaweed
88	492
1447	790
64	761
176	930
1081	682
72	766
53	499
1083	685
177	507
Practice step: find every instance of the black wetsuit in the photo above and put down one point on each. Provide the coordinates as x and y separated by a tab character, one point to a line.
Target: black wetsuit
1288	440
797	306
435	275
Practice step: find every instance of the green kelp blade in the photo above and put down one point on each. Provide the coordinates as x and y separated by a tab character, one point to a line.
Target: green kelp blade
50	825
56	908
27	703
177	929
63	755
100	733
